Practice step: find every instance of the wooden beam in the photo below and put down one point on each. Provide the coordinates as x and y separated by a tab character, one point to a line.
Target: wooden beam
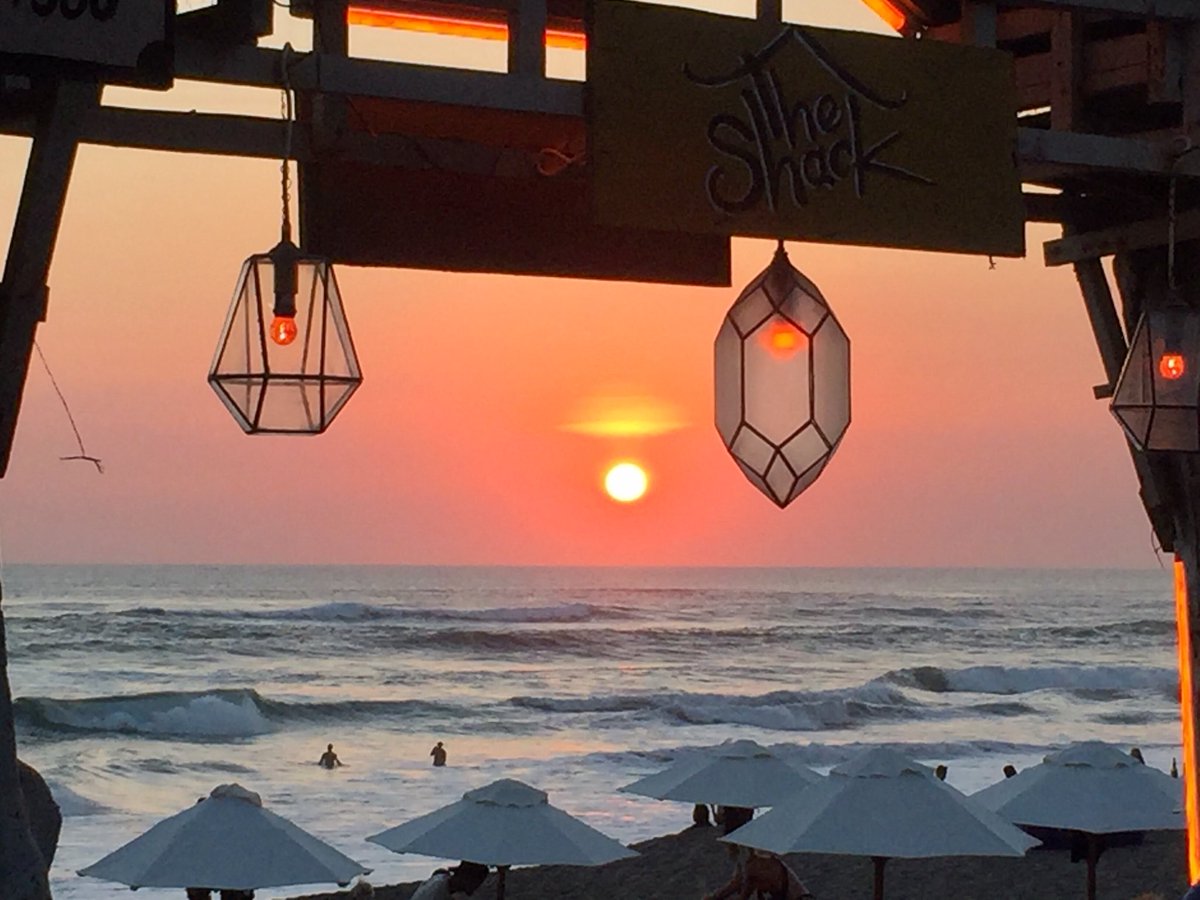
1066	74
1102	314
332	74
1183	10
1076	248
1098	152
23	290
527	38
258	138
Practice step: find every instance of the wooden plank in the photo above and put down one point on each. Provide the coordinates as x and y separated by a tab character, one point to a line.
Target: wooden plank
1108	65
1120	239
1099	152
1019	24
259	67
1182	10
1066	71
1191	84
1102	314
34	234
1164	51
526	38
252	137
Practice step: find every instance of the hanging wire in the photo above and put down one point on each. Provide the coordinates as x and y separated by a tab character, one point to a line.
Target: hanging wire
287	112
82	454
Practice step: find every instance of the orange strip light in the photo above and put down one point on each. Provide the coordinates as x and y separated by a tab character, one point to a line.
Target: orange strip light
1188	716
456	27
891	14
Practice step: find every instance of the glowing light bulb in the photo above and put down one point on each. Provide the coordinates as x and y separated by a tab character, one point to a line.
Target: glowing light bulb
782	338
283	330
1171	366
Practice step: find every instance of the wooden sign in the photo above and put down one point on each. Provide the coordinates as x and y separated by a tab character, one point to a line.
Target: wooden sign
711	124
119	41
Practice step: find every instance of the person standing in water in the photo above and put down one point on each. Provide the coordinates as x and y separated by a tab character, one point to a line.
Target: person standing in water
439	754
329	759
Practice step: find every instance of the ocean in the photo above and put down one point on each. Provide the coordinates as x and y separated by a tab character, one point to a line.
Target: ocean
141	688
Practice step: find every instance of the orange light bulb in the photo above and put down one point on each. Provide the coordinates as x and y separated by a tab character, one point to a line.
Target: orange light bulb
1171	366
283	330
782	338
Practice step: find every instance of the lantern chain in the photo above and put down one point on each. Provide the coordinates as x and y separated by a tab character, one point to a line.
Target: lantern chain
287	112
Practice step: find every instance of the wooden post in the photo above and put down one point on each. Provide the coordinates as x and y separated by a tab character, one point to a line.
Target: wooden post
527	38
879	862
62	110
1174	477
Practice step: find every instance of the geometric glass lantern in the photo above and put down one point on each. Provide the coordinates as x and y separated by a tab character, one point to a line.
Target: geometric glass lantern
782	377
285	363
1157	397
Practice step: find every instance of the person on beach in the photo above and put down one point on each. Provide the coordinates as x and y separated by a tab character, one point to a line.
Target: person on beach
941	772
1136	753
769	878
1010	770
738	878
439	754
700	816
329	759
452	884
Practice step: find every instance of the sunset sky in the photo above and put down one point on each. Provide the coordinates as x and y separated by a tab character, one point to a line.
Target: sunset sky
975	438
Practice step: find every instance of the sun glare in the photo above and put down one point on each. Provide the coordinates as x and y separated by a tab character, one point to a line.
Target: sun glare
626	482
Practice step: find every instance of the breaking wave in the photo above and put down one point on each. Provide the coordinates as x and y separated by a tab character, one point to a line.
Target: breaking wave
1091	682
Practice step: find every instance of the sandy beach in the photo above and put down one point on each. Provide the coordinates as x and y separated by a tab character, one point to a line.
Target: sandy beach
684	866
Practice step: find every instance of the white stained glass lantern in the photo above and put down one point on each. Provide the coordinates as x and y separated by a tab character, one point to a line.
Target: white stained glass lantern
782	381
1157	398
285	363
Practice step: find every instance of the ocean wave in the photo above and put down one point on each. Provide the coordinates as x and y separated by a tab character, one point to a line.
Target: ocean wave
777	710
191	714
1088	682
201	715
73	804
356	611
819	755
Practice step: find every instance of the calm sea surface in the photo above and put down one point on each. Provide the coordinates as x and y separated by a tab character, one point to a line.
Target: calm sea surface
140	689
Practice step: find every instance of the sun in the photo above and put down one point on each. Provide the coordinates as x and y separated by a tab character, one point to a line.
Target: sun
626	482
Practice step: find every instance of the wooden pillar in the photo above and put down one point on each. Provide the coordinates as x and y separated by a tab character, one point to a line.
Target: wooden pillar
62	108
527	39
1175	477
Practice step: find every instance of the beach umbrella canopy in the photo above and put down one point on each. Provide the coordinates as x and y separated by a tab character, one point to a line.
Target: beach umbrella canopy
735	773
1093	788
225	841
506	823
883	805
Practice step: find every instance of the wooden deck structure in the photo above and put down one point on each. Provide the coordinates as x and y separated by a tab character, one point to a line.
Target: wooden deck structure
1110	114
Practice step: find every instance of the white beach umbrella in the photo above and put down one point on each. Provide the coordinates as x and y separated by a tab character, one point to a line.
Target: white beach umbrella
226	841
1093	788
735	773
506	823
883	805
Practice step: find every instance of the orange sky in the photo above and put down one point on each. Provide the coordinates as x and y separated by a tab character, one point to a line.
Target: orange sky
975	438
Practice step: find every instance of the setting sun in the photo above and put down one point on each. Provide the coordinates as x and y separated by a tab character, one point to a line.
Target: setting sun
626	482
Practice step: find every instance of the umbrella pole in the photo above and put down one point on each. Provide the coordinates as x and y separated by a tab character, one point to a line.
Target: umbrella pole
501	872
1092	856
880	862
